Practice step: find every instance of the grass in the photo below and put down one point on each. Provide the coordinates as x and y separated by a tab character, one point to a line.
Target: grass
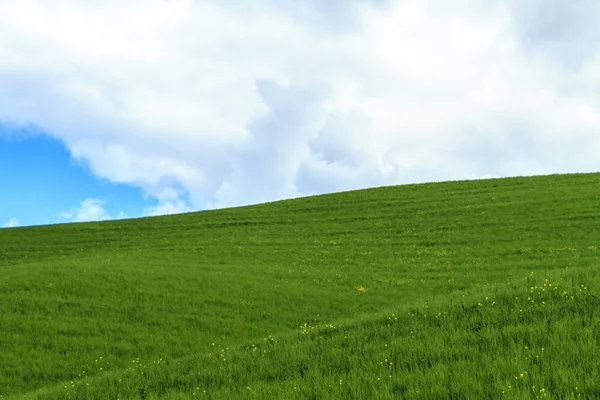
410	291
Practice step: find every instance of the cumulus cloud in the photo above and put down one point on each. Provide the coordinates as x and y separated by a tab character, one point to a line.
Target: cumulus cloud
12	223
265	163
90	210
555	29
235	102
170	201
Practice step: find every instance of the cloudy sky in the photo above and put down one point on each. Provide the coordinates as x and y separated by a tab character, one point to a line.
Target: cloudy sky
119	109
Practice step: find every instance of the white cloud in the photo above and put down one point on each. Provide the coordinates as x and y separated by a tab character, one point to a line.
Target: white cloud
90	210
168	207
170	201
236	102
12	223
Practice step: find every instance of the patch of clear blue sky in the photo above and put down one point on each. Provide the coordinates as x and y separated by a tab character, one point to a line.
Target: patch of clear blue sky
39	180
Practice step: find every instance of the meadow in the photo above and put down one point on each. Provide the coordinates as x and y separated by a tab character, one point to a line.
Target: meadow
471	289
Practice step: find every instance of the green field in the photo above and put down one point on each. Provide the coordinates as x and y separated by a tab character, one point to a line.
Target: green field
472	289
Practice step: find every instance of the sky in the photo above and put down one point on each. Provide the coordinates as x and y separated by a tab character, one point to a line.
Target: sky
119	109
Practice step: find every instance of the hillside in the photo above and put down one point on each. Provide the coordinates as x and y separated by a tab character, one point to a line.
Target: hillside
133	308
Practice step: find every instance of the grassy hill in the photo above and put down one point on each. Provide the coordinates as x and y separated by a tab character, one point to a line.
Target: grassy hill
474	289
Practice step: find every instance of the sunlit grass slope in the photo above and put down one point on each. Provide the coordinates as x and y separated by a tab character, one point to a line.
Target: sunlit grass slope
378	292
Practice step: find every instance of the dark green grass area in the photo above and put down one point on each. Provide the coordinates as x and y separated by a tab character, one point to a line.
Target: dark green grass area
101	304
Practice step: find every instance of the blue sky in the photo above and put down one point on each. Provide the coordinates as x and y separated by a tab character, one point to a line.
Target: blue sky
43	184
149	107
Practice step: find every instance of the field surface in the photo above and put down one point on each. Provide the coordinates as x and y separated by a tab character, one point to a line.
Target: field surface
473	289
